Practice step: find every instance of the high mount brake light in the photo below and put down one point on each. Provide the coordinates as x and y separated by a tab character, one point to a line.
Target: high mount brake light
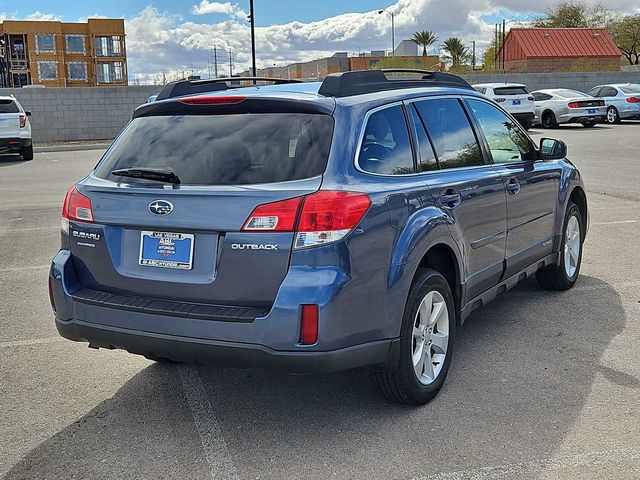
77	208
322	217
213	100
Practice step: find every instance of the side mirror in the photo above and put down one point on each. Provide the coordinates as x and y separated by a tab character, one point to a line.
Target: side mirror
27	113
552	149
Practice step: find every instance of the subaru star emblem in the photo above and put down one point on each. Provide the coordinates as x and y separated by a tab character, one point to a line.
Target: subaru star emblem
161	207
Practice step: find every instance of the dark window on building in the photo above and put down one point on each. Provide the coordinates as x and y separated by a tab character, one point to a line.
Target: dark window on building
108	46
451	133
386	148
75	44
45	43
77	70
47	70
110	72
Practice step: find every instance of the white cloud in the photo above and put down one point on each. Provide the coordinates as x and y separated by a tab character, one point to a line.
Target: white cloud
38	15
158	41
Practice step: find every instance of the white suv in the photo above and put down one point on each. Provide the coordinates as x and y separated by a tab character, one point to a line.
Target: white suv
514	98
15	128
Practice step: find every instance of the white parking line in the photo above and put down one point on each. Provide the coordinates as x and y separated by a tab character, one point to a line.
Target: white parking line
28	267
28	229
33	341
215	448
528	469
619	222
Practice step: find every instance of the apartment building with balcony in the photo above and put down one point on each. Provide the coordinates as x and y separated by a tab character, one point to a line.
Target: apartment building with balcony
61	54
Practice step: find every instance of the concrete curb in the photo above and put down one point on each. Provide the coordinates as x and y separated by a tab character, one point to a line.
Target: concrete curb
71	148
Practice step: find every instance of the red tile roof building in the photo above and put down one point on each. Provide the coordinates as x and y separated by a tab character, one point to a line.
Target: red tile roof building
560	49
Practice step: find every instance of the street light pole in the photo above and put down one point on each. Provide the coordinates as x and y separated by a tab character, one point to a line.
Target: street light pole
393	31
253	39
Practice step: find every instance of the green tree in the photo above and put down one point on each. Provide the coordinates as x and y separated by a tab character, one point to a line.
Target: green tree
455	51
425	39
626	32
574	14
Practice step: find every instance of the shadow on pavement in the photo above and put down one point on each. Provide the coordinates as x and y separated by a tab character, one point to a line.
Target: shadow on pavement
8	159
523	372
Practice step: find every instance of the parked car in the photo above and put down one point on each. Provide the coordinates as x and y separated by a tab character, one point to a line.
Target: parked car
622	100
308	227
513	97
15	128
561	105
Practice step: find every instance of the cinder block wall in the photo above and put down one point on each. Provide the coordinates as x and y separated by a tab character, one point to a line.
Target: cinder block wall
68	114
582	81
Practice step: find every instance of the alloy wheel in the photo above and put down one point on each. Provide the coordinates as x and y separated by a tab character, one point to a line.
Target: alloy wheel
612	115
430	337
572	246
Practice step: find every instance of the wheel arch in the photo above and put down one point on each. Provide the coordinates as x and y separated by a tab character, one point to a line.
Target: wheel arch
442	258
579	197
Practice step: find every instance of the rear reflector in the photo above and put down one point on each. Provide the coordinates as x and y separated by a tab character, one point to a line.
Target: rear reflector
309	325
633	99
213	100
76	207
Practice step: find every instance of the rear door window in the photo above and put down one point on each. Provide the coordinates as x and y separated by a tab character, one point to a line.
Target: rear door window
236	149
504	91
386	147
426	157
8	106
450	131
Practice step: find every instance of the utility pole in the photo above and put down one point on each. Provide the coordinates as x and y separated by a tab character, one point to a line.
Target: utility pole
495	47
230	64
253	40
215	61
504	53
393	31
473	57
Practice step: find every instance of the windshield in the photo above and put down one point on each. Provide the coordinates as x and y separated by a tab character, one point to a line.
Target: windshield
631	89
237	149
570	93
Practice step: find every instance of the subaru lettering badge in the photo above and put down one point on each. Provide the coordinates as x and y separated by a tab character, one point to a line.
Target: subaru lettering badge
161	207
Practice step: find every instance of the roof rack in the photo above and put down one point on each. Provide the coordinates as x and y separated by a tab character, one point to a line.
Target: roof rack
189	87
346	84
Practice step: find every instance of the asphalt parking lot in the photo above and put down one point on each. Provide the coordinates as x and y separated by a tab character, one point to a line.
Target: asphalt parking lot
543	385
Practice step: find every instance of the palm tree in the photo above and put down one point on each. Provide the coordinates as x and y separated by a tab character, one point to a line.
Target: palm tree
455	51
425	38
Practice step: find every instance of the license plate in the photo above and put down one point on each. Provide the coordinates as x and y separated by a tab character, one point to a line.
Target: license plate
516	102
591	111
166	250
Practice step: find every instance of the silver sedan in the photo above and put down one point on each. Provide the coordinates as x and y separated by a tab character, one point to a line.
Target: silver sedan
561	105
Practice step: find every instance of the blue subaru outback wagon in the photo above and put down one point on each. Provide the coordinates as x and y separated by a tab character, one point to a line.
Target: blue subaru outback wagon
314	227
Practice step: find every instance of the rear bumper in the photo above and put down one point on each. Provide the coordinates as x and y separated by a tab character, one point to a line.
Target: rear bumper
194	350
14	143
230	336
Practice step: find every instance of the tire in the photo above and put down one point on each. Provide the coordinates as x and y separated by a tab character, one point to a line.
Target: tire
564	275
588	124
27	152
526	125
549	120
420	335
612	115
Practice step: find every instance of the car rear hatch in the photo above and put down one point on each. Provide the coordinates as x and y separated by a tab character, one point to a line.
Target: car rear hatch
190	241
585	106
9	118
514	99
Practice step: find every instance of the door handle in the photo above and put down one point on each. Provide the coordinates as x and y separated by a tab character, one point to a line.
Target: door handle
450	199
513	187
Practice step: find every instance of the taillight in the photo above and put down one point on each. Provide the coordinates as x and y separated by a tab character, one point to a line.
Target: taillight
600	103
274	217
76	207
574	105
500	100
23	120
213	100
322	217
633	99
309	324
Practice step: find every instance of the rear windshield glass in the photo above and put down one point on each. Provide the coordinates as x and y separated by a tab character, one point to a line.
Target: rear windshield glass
237	149
570	93
631	89
8	106
510	91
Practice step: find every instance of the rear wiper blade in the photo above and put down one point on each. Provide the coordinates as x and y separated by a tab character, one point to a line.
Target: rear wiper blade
158	174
